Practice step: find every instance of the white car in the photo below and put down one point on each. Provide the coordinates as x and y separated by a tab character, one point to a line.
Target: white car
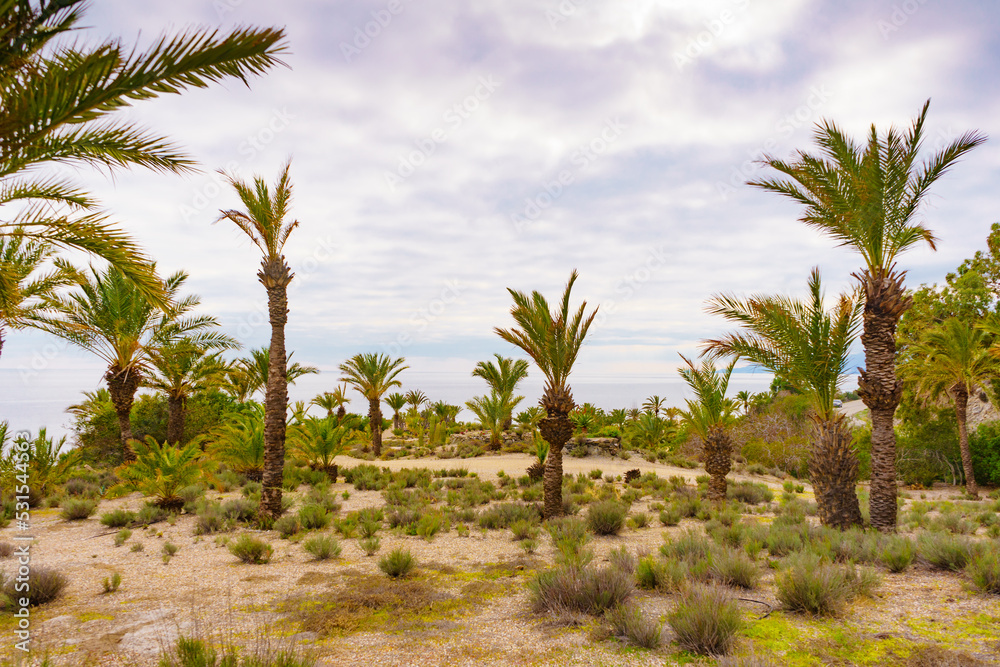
837	403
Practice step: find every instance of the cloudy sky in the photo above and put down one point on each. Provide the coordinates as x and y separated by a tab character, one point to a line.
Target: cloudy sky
444	151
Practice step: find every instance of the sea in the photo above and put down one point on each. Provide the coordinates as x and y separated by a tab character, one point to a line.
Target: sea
32	401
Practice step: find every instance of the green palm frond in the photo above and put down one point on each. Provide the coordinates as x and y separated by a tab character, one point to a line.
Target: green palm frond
710	408
953	354
264	219
372	374
160	470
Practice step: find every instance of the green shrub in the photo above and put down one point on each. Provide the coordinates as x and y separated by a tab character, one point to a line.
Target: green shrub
524	530
429	525
210	519
288	525
688	546
77	509
622	559
751	493
397	563
638	520
734	568
706	621
250	549
664	575
671	516
606	517
45	584
122	536
239	509
944	551
111	584
504	514
150	514
118	518
808	585
580	589
322	547
627	620
570	537
898	553
984	571
370	545
783	540
314	517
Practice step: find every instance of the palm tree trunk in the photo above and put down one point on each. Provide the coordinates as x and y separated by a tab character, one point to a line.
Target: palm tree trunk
341	413
833	467
375	421
557	430
275	276
718	462
122	385
397	421
175	419
885	303
960	395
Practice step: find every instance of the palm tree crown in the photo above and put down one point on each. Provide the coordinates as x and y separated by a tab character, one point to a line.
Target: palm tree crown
373	375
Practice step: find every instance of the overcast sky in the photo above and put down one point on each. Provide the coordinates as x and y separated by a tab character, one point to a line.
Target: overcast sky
444	151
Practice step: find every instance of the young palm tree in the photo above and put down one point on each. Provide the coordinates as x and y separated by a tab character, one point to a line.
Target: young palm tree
264	223
183	367
552	339
239	442
709	416
320	441
415	398
807	347
953	358
59	100
111	317
24	282
491	411
868	197
340	399
372	375
161	471
255	368
503	378
654	404
396	402
325	401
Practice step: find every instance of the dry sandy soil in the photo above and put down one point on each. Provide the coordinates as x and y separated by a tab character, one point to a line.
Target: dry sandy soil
482	615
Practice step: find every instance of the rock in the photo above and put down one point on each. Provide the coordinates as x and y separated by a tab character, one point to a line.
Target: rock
151	632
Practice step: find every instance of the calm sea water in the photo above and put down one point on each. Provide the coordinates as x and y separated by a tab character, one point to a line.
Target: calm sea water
28	403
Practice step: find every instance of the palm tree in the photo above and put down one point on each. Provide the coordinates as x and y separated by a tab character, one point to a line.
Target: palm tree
396	402
24	285
372	375
633	414
264	223
340	399
553	340
868	197
111	317
415	398
320	441
325	401
618	417
239	442
654	404
808	348
744	398
954	358
59	101
503	378
491	411
181	368
255	369
709	416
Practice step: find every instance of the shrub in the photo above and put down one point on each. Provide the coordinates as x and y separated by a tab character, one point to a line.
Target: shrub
239	509
734	568
570	537
322	547
664	575
504	514
606	517
150	514
169	549
210	520
671	516
524	530
6	549
898	553
783	540
751	493
706	621
288	525
250	549
808	585
580	589
122	536
44	585
984	571
111	584
627	620
314	517
689	546
370	545
397	563
621	559
944	551
638	520
77	509
118	518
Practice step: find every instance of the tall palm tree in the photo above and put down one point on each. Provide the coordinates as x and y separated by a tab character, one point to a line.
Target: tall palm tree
109	315
26	280
654	404
867	197
372	375
255	368
953	358
59	100
552	339
180	368
264	223
709	416
807	347
396	402
503	378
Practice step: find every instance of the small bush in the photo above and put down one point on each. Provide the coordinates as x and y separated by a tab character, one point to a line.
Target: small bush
118	518
6	549
570	537
322	547
429	525
288	525
606	517
111	584
524	530
751	493
984	571
944	551
706	621
45	584
169	549
150	514
671	516
370	545
898	553
250	549
813	587
314	517
638	520
397	563
77	509
580	589
239	509
504	514
734	568
663	575
627	620
137	547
